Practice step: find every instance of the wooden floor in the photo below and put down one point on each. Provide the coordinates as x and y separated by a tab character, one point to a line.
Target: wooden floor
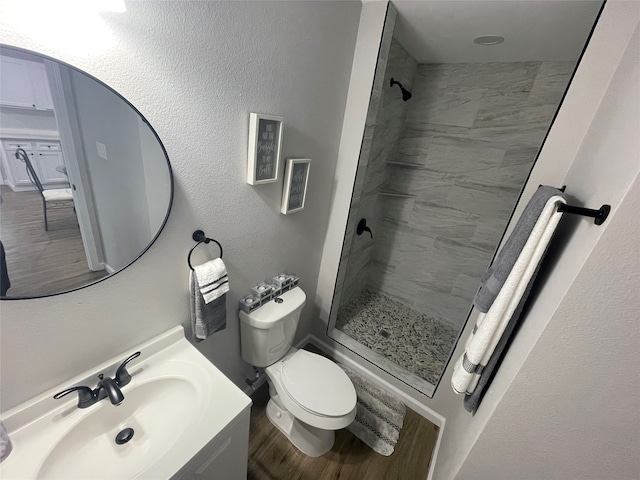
38	261
273	457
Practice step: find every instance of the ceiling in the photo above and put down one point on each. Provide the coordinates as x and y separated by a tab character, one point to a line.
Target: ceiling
439	31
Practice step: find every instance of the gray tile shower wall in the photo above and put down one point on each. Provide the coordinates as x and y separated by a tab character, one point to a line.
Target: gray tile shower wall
385	124
475	130
351	276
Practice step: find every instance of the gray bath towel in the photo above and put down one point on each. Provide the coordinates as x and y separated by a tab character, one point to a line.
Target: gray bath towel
497	273
206	318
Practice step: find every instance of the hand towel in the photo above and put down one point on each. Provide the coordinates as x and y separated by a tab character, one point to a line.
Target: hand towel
206	318
212	279
491	325
497	273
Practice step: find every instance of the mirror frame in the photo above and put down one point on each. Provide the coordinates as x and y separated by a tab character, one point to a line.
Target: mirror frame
166	157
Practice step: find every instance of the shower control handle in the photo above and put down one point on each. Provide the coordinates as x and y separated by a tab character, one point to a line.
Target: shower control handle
362	227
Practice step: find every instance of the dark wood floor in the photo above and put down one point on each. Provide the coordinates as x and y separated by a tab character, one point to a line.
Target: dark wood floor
38	261
273	457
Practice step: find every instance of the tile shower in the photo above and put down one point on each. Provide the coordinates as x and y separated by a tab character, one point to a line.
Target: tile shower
437	180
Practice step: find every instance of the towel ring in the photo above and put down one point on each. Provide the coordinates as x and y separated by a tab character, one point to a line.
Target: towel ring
200	237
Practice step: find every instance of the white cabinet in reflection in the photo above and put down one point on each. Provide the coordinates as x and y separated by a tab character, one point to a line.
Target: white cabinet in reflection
50	163
46	158
24	84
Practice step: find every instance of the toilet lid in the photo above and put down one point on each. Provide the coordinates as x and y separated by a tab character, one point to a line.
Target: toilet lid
318	385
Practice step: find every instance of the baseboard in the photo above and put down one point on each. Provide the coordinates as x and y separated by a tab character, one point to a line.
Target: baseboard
431	415
304	341
436	449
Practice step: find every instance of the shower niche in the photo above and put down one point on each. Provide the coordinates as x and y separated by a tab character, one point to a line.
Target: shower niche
448	144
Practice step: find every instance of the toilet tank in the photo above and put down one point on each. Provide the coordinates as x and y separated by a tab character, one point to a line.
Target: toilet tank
267	333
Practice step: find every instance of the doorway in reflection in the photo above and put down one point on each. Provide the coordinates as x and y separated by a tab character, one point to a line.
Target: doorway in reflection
442	165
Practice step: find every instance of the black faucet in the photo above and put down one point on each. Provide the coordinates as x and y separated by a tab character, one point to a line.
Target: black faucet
107	387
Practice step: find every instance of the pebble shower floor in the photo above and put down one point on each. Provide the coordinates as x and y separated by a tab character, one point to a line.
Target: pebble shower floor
419	343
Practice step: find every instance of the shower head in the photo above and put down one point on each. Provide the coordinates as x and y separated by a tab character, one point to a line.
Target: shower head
406	94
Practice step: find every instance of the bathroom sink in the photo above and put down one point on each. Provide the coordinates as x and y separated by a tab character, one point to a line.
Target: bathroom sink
144	405
175	404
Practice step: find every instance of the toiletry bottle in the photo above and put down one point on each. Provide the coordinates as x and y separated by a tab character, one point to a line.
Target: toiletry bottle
5	443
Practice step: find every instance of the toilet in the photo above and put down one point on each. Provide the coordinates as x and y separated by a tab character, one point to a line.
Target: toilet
310	396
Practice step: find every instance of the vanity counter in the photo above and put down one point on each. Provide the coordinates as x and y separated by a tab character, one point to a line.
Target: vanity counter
187	420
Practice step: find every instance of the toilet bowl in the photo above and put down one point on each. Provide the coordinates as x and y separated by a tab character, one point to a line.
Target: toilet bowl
311	397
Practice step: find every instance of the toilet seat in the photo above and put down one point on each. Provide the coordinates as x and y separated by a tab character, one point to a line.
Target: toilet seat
318	385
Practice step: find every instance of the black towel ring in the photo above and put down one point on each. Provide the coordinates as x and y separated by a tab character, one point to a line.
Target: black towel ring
200	237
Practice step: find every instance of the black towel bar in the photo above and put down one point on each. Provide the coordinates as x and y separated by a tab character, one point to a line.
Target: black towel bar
599	216
200	237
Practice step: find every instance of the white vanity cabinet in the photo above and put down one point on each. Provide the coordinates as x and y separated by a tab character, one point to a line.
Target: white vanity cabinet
46	158
24	84
223	458
187	421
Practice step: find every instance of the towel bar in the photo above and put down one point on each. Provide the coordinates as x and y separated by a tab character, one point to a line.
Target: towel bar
599	216
200	237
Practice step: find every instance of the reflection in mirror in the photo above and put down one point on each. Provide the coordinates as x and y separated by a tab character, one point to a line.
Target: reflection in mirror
452	132
85	185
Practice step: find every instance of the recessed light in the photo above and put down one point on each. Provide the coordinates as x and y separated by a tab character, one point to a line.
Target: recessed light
488	40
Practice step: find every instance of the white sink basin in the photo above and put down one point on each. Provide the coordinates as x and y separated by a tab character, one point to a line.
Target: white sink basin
176	403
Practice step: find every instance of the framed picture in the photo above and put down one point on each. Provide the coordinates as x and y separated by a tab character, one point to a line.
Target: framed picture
265	145
295	185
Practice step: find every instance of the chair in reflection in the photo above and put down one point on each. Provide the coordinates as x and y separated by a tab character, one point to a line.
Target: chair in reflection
52	198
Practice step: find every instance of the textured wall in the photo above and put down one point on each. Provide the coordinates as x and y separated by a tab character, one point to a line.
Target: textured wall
195	70
474	129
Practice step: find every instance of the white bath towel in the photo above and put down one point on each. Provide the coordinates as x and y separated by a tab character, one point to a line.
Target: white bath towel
212	279
490	326
206	319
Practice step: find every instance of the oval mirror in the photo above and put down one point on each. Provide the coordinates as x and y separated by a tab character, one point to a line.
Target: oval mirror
85	182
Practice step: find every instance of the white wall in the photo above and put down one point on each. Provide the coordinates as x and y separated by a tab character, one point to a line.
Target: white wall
17	120
573	411
154	178
593	149
116	183
195	70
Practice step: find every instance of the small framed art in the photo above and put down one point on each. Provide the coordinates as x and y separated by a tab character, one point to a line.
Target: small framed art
295	185
265	145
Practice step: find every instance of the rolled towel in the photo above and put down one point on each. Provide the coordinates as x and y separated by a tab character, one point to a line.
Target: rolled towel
206	318
212	279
